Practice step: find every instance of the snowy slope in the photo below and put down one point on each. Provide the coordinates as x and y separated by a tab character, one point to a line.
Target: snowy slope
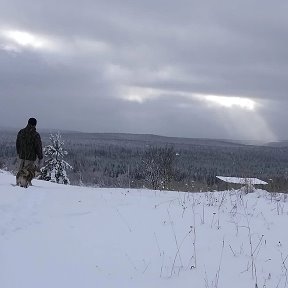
63	236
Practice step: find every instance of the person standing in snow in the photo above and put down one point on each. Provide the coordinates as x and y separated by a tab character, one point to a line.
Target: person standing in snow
29	145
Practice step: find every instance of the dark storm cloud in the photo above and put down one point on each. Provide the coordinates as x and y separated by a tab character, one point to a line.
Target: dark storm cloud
100	49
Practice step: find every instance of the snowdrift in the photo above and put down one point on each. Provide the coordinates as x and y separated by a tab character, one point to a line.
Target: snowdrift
65	236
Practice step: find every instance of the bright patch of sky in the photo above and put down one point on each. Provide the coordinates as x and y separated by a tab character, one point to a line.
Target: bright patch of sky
139	94
14	40
230	101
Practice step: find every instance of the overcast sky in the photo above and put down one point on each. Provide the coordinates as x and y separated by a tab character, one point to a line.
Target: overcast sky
213	69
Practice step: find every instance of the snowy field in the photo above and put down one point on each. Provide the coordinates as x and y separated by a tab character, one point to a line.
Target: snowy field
70	237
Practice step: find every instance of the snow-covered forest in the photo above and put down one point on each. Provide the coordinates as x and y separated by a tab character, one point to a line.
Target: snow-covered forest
118	160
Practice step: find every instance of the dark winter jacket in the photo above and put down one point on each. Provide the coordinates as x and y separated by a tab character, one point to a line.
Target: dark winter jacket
28	144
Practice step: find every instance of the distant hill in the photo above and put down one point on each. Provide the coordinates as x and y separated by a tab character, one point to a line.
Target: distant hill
151	139
278	144
147	138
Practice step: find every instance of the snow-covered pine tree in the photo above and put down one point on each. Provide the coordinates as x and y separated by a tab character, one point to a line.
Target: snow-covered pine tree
55	166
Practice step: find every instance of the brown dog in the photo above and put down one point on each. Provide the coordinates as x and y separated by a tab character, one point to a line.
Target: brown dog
26	174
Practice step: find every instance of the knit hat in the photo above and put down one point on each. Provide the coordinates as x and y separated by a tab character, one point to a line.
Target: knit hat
32	121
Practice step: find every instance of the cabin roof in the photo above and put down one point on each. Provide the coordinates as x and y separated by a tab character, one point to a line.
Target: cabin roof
243	181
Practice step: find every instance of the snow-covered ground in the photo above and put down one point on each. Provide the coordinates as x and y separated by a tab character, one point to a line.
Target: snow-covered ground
64	236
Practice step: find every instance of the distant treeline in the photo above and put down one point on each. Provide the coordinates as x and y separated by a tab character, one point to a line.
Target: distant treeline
125	160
